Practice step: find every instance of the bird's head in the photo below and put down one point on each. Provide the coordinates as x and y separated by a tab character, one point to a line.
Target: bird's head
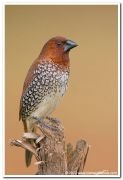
58	49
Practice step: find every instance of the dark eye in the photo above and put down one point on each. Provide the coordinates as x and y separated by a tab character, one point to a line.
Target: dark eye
59	44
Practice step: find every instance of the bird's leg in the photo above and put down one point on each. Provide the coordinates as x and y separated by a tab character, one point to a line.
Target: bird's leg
54	120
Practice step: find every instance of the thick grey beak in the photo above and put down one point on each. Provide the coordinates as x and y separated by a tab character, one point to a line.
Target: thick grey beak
69	45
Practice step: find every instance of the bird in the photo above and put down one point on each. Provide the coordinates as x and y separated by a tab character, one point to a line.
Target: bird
45	84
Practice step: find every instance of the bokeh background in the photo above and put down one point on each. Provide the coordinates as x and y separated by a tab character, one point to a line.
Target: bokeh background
89	108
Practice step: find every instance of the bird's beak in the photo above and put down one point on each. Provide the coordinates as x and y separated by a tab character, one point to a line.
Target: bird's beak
69	45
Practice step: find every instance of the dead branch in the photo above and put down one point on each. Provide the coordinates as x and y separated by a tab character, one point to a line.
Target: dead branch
52	156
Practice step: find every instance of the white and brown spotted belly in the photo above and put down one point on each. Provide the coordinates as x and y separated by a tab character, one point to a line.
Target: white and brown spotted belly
48	105
45	91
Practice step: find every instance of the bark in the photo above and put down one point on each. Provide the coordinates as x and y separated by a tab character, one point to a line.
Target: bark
53	157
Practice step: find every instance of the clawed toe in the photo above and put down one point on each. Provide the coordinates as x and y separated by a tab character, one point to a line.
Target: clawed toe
37	120
44	124
48	126
54	120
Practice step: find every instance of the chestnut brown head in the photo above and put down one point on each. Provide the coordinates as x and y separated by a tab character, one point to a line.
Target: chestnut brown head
58	49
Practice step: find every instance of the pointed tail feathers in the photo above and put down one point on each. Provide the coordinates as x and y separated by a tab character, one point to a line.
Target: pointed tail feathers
28	154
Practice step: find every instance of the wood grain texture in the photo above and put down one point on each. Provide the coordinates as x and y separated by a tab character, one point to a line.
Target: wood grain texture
53	156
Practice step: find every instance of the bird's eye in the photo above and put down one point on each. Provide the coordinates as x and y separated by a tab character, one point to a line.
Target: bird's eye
59	44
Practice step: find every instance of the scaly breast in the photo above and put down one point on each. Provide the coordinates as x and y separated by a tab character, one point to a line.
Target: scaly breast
51	100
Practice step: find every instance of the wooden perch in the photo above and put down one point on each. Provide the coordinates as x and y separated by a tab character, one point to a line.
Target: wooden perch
53	157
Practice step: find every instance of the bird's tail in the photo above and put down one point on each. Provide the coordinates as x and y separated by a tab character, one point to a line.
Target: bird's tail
28	154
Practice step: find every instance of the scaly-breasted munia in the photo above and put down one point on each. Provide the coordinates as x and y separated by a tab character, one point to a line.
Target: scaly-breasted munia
45	83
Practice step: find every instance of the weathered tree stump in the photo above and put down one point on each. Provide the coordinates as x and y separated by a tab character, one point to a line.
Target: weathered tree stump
52	155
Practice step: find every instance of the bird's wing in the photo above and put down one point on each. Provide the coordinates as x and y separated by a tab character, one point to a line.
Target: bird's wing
25	99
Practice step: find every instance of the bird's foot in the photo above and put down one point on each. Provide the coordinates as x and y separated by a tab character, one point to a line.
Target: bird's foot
38	120
43	123
54	120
